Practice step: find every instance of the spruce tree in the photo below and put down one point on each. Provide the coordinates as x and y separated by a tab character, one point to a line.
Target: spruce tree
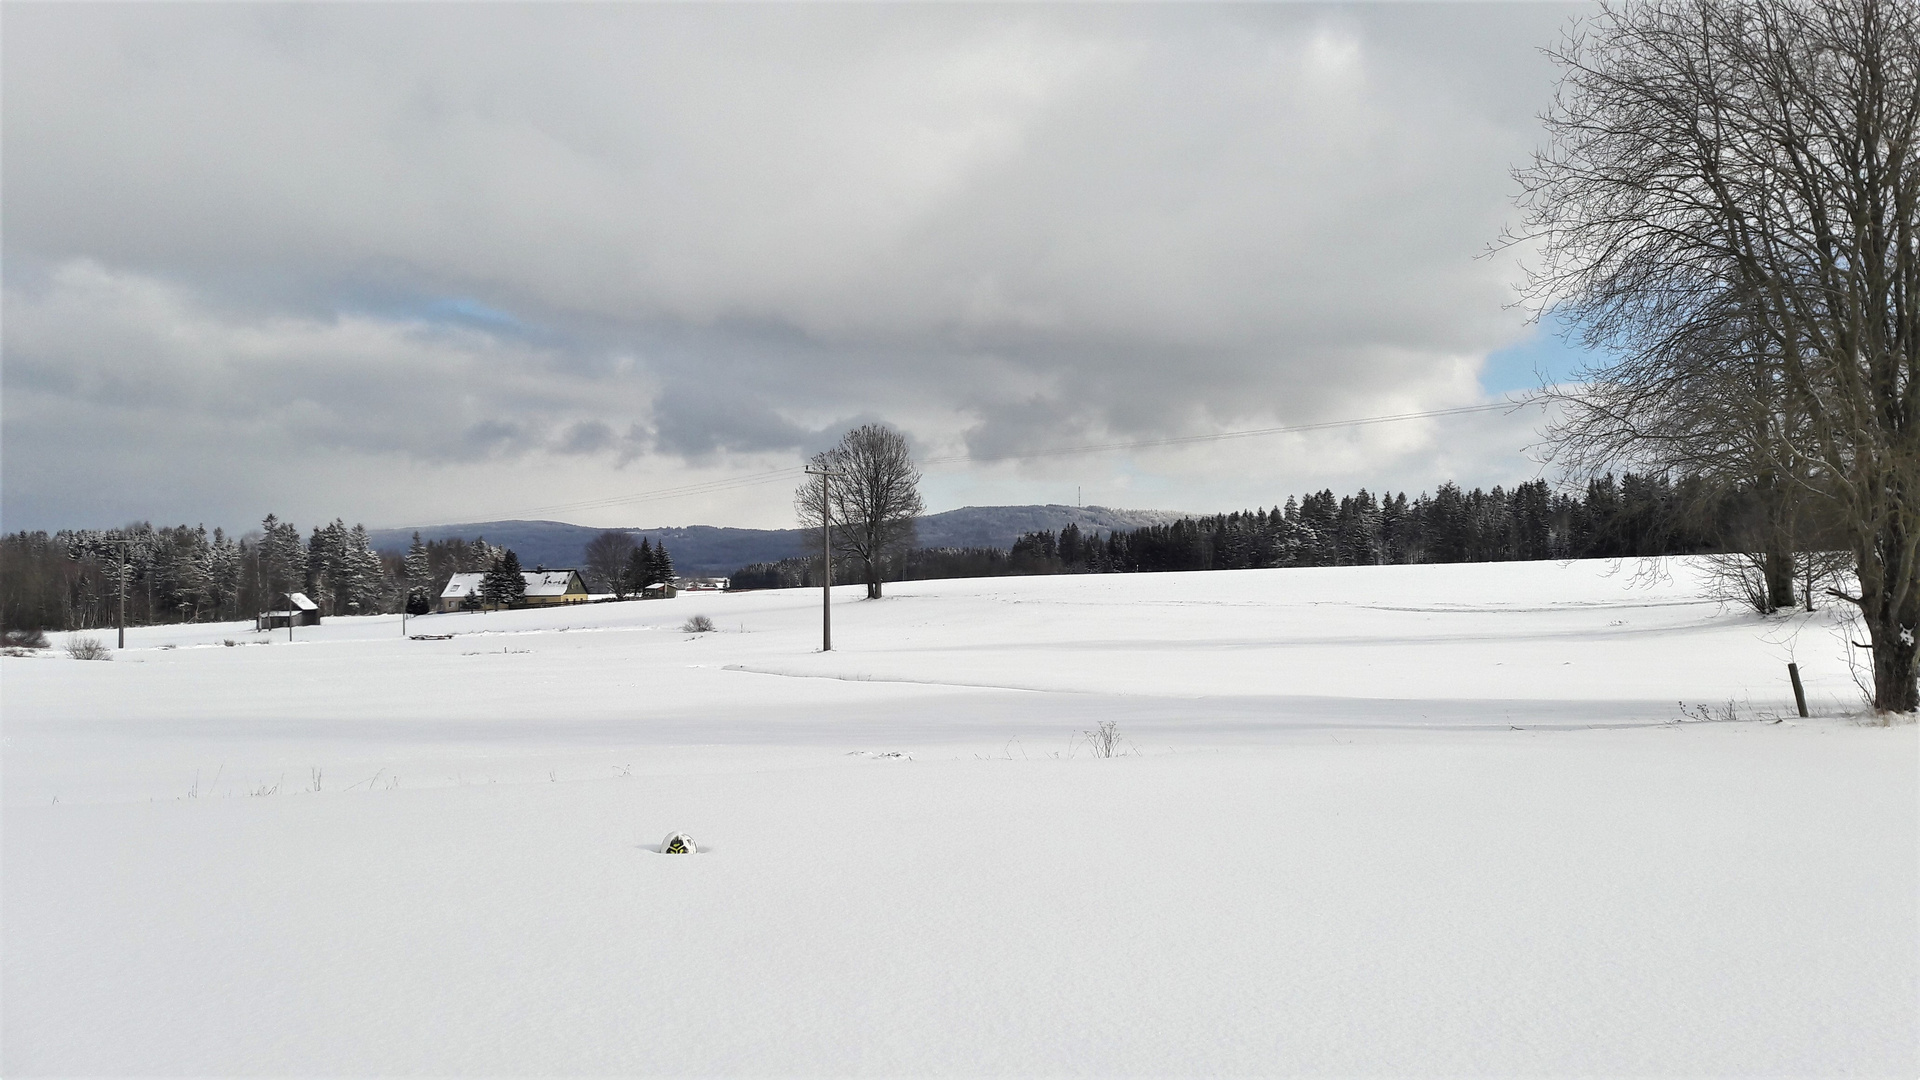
282	560
318	582
493	584
642	564
646	565
419	575
662	564
366	584
223	570
513	584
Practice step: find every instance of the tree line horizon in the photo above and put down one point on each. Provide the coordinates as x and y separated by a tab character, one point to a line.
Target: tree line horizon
65	580
69	579
1633	516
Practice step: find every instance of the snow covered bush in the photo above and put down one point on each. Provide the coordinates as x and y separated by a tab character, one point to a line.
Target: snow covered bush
87	648
699	624
25	639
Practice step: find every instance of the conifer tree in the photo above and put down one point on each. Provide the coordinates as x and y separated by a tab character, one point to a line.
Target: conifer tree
419	578
491	587
640	567
365	575
662	563
513	579
282	559
326	567
223	571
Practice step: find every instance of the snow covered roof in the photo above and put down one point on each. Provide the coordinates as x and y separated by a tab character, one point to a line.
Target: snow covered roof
539	583
300	601
547	582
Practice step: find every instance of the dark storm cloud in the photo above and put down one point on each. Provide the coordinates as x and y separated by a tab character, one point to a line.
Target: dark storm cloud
428	237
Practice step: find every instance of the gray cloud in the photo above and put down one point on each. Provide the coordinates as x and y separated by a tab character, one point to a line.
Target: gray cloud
587	437
381	247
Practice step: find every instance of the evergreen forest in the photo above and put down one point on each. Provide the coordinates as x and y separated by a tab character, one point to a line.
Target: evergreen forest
1632	515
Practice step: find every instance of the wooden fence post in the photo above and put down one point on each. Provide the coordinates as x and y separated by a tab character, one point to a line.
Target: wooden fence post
1799	692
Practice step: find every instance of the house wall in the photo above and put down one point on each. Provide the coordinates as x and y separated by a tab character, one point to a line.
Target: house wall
549	601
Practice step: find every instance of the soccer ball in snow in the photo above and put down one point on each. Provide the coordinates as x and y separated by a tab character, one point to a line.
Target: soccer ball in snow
678	844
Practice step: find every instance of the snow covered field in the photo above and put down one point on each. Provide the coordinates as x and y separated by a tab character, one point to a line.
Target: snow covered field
1407	820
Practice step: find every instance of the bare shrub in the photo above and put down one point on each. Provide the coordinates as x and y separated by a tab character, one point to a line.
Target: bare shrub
1738	578
1741	577
25	639
1706	714
1104	739
1850	628
88	648
699	624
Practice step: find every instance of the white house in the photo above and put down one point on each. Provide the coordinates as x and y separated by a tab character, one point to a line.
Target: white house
543	587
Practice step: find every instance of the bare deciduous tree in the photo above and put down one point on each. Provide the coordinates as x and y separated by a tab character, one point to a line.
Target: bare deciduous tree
874	494
1731	204
606	557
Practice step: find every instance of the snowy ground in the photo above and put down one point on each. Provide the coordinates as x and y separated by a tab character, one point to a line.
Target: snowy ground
1408	820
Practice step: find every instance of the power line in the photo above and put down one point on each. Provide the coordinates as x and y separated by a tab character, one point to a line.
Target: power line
1220	436
779	475
658	494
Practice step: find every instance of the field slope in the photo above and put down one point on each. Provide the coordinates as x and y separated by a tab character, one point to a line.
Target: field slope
1410	820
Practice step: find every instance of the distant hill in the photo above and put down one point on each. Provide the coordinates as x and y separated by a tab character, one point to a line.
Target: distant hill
1000	526
708	550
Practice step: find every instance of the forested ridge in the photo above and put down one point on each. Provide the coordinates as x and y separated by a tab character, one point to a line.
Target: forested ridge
70	579
1632	515
1637	515
67	579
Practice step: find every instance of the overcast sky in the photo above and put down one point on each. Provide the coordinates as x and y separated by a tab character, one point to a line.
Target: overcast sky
436	263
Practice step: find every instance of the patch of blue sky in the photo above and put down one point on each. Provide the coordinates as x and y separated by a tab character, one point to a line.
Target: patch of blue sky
454	311
471	312
1547	355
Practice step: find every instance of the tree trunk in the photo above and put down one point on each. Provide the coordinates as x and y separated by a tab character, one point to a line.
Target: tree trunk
1894	683
1891	607
873	578
1780	580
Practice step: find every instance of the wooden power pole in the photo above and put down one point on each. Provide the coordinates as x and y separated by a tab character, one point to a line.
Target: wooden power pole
826	558
122	620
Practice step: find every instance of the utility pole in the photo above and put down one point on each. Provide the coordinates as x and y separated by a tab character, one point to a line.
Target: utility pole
826	558
123	542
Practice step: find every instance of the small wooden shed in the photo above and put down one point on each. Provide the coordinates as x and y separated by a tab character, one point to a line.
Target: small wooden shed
294	610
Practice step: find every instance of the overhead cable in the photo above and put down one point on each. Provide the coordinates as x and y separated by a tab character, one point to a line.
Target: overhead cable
779	475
